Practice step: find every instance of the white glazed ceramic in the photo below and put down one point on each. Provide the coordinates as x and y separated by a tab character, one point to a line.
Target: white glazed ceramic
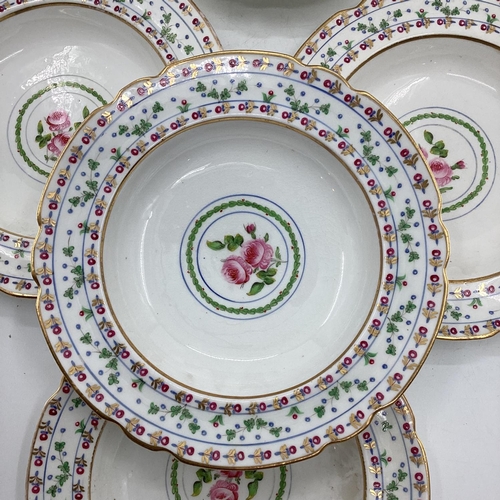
58	62
237	292
436	65
75	456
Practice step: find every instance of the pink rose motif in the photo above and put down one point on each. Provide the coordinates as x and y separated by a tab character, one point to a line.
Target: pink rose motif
257	253
460	164
58	120
222	490
442	172
231	473
57	143
250	228
236	270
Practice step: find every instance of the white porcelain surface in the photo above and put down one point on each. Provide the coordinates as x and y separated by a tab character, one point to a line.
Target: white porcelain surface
159	309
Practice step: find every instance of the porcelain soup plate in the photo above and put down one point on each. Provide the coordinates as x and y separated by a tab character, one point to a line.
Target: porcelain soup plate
75	455
237	262
58	62
437	67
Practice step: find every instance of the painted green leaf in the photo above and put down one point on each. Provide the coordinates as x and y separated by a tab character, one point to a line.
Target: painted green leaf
410	212
39	127
92	185
105	353
304	108
59	446
253	487
157	107
213	94
122	129
112	364
88	313
113	379
139	381
175	410
81	427
44	141
185	414
225	95
188	49
429	138
197	487
242	86
256	288
320	411
204	475
217	419
294	410
231	434
392	486
85	112
52	491
200	87
68	251
267	97
64	467
261	423
290	91
406	237
392	328
383	458
77	402
391	171
330	52
403	225
86	339
193	427
413	256
391	349
346	385
215	245
266	237
93	164
363	386
402	475
397	316
410	306
275	431
69	293
249	424
153	409
334	393
231	242
268	280
367	136
238	239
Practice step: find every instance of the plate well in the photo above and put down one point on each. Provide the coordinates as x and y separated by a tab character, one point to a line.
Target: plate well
241	250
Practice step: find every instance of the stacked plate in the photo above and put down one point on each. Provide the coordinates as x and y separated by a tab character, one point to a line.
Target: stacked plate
242	260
